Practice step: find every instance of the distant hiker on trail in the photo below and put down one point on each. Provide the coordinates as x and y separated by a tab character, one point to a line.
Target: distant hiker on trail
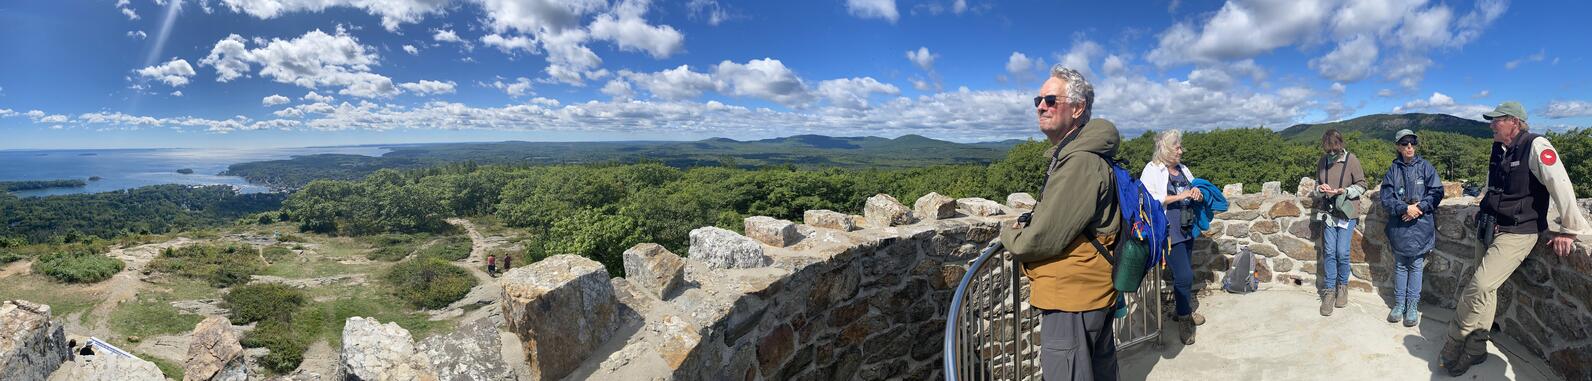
1523	174
1410	191
1072	281
491	265
1342	182
508	262
1171	183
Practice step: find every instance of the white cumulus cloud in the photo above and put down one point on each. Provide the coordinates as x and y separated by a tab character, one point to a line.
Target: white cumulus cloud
314	60
1567	109
510	44
274	99
1440	103
425	87
876	9
392	12
625	27
137	34
1351	61
174	73
765	78
316	98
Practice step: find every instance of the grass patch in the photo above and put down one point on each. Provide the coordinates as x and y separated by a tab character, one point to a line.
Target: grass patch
77	266
452	248
221	266
382	306
63	299
276	253
393	247
167	368
429	282
150	316
277	310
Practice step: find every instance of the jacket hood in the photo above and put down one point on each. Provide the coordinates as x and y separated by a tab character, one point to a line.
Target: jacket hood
1098	136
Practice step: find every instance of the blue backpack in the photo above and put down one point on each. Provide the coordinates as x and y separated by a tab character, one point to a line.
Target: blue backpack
1141	242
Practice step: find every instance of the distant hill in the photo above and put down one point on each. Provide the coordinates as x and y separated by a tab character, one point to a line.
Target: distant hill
1383	126
806	151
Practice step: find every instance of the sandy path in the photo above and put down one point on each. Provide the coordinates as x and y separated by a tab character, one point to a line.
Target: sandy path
123	286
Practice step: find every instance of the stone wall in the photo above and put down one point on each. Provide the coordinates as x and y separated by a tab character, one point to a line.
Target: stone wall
1546	305
864	297
818	300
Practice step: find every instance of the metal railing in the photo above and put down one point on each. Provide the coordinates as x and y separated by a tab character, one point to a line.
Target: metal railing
992	333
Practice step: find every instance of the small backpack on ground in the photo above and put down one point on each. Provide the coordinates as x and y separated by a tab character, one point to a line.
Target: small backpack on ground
1241	278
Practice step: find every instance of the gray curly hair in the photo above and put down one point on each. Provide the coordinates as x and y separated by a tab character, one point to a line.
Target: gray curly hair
1165	144
1079	91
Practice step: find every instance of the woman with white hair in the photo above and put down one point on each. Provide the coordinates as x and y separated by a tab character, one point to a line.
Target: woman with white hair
1171	183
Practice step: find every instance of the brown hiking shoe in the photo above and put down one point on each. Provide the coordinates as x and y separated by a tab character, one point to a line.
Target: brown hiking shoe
1186	329
1343	296
1472	352
1327	301
1197	318
1450	353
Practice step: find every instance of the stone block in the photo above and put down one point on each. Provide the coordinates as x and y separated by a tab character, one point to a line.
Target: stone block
1246	202
771	231
472	351
1453	189
31	346
980	207
1021	201
376	351
1238	215
1264	227
1572	362
654	269
1284	209
1238	229
774	348
214	352
1265	249
884	211
1282	264
1271	189
723	249
1303	228
1233	190
562	308
1294	248
1307	186
828	219
934	206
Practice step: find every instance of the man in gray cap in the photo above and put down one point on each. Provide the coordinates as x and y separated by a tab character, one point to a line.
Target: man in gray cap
1523	175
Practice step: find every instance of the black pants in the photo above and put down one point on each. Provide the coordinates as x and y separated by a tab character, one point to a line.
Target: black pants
1077	346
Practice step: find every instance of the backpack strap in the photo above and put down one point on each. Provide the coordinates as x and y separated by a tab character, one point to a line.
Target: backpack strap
1111	257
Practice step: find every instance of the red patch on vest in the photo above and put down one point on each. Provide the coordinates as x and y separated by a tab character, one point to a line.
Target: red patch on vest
1548	157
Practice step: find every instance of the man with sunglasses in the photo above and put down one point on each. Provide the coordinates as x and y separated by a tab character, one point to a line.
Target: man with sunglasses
1524	173
1411	191
1071	280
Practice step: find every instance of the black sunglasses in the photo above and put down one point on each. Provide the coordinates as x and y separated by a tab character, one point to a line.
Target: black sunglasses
1408	142
1050	100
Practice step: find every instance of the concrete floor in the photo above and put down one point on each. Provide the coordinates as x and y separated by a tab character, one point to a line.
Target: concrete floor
1279	334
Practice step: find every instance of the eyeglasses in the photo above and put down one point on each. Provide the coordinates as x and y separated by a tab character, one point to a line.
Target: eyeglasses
1407	143
1050	100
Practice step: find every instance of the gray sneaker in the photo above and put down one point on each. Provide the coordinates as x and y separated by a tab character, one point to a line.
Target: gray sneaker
1327	301
1186	329
1342	299
1412	317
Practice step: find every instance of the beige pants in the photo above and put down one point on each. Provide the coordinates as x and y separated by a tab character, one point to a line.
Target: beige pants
1479	303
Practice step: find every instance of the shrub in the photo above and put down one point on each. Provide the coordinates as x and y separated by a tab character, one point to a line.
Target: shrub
77	266
222	266
393	247
276	252
263	302
287	346
429	282
452	248
7	256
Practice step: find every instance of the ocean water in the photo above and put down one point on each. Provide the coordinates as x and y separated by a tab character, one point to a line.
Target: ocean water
131	168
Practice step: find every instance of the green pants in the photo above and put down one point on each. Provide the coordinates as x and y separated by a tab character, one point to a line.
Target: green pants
1479	302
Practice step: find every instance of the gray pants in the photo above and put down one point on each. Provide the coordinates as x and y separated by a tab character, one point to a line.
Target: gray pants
1077	346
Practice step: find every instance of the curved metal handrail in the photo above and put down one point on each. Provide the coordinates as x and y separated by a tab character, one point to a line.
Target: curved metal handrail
952	317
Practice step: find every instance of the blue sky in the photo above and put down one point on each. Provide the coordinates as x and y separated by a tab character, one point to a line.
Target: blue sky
278	73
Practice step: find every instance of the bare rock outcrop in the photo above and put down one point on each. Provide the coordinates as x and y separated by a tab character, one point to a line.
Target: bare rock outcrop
107	367
934	206
214	353
725	249
469	353
374	351
884	211
828	219
771	231
31	346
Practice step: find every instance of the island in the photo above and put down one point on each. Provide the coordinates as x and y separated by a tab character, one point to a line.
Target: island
13	186
93	178
185	171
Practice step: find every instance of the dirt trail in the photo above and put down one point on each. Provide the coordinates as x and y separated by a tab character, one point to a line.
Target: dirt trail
484	296
124	285
17	268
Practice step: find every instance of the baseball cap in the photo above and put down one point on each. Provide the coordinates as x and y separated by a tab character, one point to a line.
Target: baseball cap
1510	108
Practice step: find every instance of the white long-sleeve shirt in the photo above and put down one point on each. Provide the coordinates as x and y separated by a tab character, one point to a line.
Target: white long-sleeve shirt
1549	169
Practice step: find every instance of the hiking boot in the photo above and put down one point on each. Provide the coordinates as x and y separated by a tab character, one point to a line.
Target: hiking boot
1197	318
1412	317
1343	296
1450	353
1472	352
1326	301
1185	326
1396	314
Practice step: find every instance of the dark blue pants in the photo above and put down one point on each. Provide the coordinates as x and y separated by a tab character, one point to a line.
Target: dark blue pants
1180	262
